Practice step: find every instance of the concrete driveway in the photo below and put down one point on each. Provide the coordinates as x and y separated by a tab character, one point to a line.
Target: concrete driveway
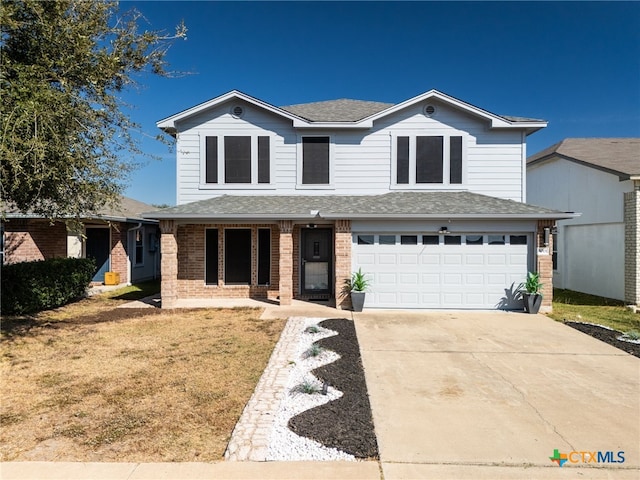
493	395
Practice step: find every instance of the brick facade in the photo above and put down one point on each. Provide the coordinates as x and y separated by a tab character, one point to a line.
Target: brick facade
28	240
342	262
119	247
544	263
632	246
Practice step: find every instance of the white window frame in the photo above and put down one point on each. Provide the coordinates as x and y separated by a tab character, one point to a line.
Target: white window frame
446	165
254	161
299	164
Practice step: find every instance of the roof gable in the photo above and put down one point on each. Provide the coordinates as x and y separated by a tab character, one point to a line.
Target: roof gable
347	113
618	156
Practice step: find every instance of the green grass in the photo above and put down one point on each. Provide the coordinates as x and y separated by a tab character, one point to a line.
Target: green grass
134	292
581	307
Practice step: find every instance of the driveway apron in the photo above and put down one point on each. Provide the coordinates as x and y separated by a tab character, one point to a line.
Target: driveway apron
453	391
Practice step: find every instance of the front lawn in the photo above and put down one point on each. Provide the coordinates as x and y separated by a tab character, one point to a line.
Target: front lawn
91	382
581	307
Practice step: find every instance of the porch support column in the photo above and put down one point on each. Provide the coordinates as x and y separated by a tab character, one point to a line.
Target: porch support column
342	249
632	245
544	263
169	263
286	262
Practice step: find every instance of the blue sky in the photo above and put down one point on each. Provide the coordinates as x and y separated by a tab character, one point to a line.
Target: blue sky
574	64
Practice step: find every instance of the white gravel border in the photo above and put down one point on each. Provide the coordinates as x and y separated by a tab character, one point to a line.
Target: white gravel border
283	444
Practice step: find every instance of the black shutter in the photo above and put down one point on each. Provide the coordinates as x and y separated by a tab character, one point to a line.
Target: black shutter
237	256
263	160
237	159
211	167
315	160
211	256
264	256
402	160
429	159
455	160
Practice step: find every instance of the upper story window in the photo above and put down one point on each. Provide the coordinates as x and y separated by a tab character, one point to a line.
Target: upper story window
315	161
237	159
428	160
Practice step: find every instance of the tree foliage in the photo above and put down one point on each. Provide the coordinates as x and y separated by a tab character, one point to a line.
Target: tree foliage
63	131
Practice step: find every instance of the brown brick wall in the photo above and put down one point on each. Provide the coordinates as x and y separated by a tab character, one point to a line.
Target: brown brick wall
190	257
28	240
285	261
632	246
119	247
342	252
544	264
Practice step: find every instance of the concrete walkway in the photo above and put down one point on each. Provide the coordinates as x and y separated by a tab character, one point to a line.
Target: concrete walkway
492	395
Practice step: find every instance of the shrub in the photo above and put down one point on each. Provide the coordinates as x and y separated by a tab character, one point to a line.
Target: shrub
29	287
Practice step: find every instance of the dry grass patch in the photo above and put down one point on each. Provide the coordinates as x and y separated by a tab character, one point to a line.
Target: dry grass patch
93	383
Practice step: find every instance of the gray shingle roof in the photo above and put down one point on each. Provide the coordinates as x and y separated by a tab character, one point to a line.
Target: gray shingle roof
620	156
128	209
343	110
395	205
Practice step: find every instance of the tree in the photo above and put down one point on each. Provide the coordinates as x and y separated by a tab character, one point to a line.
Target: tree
63	132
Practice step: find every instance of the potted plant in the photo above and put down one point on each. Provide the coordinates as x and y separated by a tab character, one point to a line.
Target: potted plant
357	286
531	293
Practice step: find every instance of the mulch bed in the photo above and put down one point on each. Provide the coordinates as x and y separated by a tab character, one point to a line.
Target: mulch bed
346	423
607	336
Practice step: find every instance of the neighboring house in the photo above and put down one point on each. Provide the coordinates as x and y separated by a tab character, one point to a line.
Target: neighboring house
599	251
425	196
118	238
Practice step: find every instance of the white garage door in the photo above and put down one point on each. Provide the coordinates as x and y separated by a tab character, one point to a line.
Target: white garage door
441	271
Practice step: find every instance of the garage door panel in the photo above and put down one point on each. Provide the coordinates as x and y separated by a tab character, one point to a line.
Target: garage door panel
440	276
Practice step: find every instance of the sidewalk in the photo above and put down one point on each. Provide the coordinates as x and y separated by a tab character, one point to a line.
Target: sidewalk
190	471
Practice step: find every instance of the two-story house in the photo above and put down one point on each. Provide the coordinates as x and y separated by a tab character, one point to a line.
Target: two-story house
426	196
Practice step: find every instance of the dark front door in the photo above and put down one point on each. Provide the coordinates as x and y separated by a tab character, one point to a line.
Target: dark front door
97	247
316	254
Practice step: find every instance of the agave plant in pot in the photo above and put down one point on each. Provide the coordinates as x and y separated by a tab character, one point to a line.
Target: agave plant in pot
357	286
531	293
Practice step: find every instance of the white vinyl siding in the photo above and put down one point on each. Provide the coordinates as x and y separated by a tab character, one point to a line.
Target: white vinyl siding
361	161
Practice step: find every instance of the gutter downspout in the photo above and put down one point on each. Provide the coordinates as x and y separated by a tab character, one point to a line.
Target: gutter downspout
132	229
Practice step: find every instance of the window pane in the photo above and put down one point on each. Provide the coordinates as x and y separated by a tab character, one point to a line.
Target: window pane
387	240
365	239
554	251
237	159
237	256
211	256
430	240
211	166
453	240
474	239
408	239
264	256
264	173
429	159
402	155
315	160
496	239
455	160
518	239
139	260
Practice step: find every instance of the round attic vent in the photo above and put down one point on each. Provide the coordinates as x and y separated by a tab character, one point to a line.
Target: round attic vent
237	111
429	110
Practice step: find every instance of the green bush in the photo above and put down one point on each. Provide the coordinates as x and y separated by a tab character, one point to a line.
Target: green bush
29	287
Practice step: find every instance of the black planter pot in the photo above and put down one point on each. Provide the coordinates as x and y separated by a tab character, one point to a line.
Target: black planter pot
532	302
357	301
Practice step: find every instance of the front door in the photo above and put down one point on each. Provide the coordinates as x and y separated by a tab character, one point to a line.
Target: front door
316	254
98	247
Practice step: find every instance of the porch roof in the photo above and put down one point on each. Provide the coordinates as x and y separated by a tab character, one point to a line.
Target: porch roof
394	205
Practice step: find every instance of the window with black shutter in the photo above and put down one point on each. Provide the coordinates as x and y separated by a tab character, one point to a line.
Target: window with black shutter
237	256
429	160
211	166
211	256
237	159
315	160
403	160
264	167
264	256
